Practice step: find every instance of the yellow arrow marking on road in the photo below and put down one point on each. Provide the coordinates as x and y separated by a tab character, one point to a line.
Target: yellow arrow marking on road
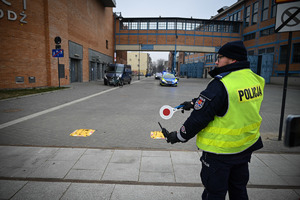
157	135
82	132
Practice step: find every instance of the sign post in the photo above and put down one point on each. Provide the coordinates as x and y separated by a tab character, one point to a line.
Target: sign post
58	52
287	20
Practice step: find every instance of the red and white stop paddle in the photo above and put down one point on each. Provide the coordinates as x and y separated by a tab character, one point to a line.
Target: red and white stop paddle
166	112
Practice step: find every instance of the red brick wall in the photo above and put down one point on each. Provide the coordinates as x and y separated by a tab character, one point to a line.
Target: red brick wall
26	48
22	45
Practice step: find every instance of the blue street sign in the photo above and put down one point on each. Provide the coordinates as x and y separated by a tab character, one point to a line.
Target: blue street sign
57	53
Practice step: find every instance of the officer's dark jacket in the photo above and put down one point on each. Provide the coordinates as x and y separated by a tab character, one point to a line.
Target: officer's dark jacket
216	103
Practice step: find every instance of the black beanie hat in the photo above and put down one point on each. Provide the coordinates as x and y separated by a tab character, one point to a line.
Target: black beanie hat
234	50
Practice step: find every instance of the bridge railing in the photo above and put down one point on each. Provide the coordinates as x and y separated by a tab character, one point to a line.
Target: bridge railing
174	34
185	24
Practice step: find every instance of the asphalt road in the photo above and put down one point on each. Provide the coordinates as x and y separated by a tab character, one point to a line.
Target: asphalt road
122	117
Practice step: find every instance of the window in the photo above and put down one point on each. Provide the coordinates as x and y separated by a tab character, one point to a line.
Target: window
106	44
144	25
296	53
255	13
134	25
273	9
209	58
266	50
180	25
249	36
226	28
261	51
235	17
210	27
268	31
162	25
189	26
171	25
270	50
153	25
251	53
235	28
215	27
247	16
265	10
125	25
198	26
283	54
239	16
219	28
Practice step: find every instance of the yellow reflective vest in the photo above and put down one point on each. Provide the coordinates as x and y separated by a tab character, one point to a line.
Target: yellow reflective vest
238	129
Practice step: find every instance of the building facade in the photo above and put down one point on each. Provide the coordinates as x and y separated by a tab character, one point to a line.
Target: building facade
28	30
136	59
266	49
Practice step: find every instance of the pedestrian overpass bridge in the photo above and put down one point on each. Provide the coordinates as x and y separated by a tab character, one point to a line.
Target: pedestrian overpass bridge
174	34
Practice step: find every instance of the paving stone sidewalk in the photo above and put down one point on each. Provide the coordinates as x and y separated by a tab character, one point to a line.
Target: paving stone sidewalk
83	173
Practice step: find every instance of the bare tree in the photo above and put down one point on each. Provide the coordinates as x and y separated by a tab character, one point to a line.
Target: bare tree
160	65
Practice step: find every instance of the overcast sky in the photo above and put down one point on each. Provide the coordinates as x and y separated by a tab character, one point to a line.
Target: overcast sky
200	9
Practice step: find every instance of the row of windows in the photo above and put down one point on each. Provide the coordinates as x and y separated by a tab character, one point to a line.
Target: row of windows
249	36
235	17
262	51
255	13
194	60
209	26
262	33
266	32
283	53
266	50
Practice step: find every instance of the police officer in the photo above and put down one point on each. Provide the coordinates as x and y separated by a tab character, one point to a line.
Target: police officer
226	120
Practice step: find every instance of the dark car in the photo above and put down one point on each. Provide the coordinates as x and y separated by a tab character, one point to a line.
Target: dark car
117	72
168	80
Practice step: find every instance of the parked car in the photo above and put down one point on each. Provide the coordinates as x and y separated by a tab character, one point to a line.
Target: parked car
115	73
168	80
158	75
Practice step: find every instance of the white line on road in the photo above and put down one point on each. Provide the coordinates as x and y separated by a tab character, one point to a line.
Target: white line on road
22	119
10	123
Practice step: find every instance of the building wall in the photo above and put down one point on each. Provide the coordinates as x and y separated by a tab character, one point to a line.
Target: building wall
260	43
26	46
133	60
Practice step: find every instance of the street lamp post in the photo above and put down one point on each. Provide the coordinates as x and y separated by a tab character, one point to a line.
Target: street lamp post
174	59
139	60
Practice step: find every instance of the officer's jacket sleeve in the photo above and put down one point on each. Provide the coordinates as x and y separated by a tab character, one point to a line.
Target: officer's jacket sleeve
211	102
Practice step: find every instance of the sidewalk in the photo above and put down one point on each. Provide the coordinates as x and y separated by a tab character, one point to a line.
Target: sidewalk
85	173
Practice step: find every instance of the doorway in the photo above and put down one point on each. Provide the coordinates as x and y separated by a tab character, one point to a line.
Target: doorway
75	70
95	71
259	65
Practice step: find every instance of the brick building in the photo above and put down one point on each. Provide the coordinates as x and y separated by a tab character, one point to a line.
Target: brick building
27	32
267	49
